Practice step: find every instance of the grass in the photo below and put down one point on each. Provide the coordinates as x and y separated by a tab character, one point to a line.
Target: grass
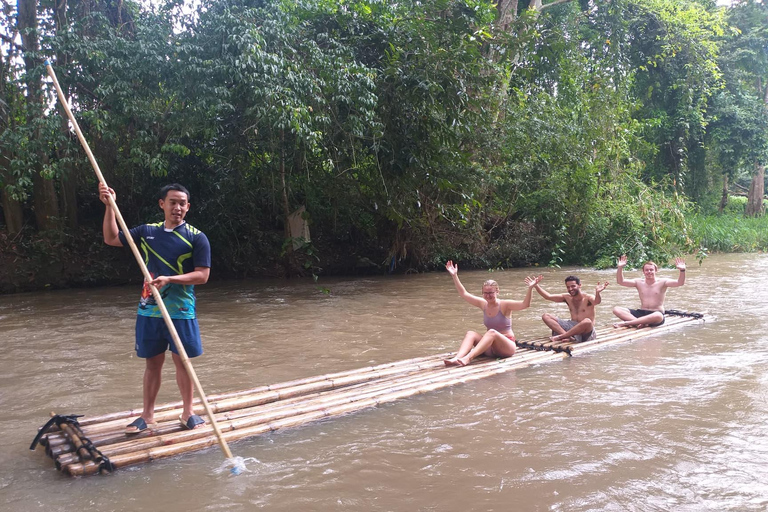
731	231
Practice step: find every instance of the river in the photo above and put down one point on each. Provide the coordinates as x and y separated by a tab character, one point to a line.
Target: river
676	421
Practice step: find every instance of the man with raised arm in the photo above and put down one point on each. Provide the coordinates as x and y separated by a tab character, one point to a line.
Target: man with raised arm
652	291
178	256
581	326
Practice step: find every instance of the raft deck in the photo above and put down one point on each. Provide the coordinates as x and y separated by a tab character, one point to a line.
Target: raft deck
82	445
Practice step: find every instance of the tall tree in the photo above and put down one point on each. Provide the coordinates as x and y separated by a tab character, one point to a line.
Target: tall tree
12	210
747	65
44	193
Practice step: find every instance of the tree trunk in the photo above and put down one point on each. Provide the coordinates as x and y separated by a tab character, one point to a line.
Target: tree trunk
724	197
507	10
756	191
14	216
45	200
69	176
288	245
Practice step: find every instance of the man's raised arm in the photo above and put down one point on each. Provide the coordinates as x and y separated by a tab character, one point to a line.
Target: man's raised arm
109	225
620	273
680	264
547	295
599	288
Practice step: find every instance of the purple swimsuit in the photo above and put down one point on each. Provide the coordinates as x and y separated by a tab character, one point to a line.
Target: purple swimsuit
499	322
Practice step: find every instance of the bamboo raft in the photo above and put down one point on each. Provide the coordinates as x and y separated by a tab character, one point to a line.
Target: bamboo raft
88	445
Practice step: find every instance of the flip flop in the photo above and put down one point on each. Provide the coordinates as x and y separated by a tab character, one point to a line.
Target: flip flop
138	425
192	422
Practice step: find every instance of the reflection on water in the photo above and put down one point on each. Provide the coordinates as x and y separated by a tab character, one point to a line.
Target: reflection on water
674	422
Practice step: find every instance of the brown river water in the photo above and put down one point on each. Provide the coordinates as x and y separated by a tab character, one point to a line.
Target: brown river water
676	421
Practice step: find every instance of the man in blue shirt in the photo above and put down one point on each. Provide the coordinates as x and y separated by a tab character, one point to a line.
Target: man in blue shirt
178	256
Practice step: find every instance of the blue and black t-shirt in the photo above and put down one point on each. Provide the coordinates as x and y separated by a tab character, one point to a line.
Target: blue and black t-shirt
169	253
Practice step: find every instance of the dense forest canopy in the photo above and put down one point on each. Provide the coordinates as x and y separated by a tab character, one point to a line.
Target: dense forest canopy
402	133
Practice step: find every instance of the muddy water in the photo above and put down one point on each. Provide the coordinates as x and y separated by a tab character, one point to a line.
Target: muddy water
672	422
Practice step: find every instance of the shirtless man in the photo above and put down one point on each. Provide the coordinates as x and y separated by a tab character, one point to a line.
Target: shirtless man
581	326
652	291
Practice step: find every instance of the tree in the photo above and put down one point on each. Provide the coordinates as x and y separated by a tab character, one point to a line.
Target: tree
746	63
46	201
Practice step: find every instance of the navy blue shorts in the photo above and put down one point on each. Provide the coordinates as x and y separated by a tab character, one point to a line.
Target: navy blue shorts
639	313
153	337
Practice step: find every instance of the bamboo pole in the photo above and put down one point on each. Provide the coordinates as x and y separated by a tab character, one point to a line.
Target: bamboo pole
317	406
300	409
147	276
633	333
280	392
172	427
456	376
87	421
242	411
115	427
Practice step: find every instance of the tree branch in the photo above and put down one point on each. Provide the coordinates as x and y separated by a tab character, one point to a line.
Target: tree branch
539	7
12	42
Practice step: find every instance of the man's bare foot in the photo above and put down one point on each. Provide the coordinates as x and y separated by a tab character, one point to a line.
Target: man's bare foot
463	361
451	362
559	338
626	324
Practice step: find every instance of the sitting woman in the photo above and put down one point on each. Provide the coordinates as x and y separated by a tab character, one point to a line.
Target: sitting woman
498	340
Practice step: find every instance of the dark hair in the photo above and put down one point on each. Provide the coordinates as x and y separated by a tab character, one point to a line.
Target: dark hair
173	186
573	278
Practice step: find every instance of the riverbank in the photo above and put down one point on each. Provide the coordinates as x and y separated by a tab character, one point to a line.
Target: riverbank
33	261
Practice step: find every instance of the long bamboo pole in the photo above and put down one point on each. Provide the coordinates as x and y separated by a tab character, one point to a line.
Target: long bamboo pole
630	333
279	393
280	411
103	434
245	406
122	415
300	409
190	441
454	376
245	409
144	270
288	404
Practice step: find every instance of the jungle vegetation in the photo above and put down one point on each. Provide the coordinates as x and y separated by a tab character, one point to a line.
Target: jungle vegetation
403	134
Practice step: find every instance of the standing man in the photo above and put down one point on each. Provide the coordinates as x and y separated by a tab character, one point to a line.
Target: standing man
581	326
178	256
652	291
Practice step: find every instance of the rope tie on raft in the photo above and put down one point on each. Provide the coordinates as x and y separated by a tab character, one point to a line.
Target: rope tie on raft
675	312
567	346
85	448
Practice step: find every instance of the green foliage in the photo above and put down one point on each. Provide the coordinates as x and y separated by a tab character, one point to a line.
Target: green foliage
730	232
412	132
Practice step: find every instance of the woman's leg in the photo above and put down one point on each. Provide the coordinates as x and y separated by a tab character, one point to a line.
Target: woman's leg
493	343
470	339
